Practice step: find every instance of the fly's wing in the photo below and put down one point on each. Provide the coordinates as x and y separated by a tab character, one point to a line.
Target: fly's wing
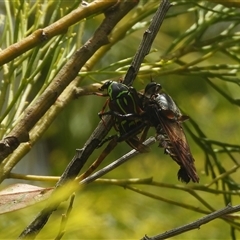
176	145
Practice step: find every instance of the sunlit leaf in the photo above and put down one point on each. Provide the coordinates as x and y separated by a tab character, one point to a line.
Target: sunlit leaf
20	195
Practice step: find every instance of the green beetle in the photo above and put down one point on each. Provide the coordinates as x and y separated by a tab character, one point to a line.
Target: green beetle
124	106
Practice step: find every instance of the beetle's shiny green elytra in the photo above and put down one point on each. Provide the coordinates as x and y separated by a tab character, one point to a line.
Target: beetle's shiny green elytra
121	98
123	103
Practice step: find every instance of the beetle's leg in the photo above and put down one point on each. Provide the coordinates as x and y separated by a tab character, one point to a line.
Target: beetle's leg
104	106
128	137
100	114
133	132
132	140
105	140
128	116
111	145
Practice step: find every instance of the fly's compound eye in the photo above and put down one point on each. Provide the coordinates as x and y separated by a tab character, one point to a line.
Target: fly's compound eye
158	87
151	89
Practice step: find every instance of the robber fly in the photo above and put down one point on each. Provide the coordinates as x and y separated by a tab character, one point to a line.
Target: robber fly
162	112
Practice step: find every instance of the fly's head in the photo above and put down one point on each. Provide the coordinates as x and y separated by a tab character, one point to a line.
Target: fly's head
152	89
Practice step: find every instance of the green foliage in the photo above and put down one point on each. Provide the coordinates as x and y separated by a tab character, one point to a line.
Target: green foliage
196	59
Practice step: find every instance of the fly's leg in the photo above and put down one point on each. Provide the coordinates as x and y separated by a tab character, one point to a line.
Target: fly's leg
124	136
131	138
111	145
133	132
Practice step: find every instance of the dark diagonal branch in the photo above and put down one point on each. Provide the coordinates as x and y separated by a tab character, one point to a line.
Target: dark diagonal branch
196	224
34	112
148	38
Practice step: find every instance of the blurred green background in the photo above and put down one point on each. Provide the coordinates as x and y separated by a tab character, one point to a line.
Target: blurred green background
105	211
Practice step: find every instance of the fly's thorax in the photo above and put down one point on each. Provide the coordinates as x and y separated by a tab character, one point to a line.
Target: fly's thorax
167	106
151	112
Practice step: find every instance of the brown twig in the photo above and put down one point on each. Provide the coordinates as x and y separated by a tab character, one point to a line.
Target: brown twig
59	27
65	218
196	224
